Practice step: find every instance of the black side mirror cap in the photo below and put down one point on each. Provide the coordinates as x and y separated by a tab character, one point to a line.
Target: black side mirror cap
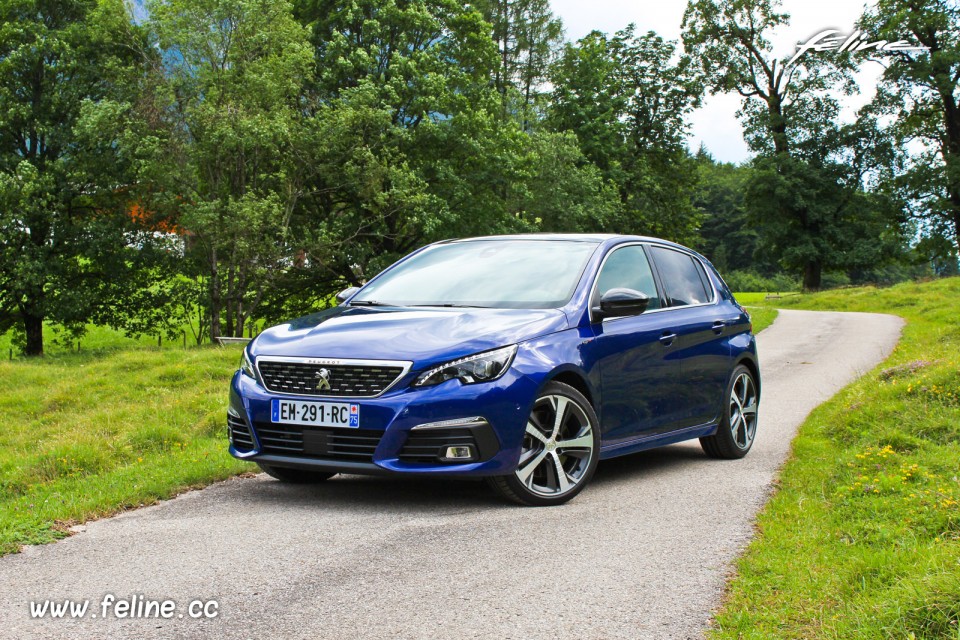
620	302
346	293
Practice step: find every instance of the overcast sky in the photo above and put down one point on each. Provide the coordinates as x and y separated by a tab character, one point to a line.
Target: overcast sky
715	123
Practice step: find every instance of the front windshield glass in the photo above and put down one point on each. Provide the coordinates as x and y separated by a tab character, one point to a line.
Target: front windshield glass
506	274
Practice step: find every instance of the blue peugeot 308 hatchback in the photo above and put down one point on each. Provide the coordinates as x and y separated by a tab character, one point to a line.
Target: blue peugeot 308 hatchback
522	359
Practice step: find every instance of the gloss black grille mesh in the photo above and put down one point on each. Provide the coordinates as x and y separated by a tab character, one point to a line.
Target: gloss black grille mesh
347	381
355	445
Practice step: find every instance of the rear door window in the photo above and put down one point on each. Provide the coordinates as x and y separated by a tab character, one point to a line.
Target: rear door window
683	279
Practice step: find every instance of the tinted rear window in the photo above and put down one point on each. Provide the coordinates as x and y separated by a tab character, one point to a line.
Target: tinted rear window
683	278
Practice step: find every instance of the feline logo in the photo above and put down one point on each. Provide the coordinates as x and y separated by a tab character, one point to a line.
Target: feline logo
833	40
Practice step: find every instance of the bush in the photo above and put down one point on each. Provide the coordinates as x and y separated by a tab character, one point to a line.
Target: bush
750	281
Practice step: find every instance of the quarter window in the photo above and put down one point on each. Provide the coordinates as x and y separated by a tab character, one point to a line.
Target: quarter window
628	268
683	278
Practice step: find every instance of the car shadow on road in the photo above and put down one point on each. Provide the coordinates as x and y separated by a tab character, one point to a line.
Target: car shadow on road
386	494
639	466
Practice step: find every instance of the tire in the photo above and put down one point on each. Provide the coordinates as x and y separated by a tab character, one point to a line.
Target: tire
571	443
295	476
738	425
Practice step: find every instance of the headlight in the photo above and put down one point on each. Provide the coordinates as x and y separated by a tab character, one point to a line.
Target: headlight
246	365
482	367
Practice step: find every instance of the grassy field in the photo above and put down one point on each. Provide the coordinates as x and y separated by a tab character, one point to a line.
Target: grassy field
97	340
88	434
862	537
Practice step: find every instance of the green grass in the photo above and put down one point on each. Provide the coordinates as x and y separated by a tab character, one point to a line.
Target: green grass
87	435
762	317
862	537
97	340
751	298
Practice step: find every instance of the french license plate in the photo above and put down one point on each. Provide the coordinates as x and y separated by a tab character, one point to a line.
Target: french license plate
317	414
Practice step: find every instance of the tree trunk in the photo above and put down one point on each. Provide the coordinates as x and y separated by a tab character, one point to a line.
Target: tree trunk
778	125
812	272
215	298
227	328
230	298
956	229
33	327
950	150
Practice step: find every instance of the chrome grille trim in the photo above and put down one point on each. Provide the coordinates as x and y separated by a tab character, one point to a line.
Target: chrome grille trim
403	365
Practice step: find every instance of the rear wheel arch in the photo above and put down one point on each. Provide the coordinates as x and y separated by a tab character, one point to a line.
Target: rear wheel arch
737	428
754	368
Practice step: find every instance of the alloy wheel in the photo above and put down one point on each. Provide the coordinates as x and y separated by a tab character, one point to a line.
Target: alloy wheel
558	447
743	411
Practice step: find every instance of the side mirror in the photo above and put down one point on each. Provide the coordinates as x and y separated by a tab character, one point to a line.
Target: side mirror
346	293
621	302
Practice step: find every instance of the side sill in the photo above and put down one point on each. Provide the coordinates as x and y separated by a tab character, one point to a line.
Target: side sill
658	440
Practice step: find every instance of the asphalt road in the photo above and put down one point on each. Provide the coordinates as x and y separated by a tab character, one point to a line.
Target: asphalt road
642	553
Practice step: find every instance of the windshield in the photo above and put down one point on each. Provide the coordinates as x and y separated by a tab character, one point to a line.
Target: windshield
506	274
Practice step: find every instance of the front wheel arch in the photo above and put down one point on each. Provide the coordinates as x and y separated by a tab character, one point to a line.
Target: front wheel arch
559	465
576	380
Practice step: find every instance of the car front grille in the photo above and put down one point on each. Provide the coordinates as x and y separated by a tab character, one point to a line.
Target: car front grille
355	445
347	381
239	433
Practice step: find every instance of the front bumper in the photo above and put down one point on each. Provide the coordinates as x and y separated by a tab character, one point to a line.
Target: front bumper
386	440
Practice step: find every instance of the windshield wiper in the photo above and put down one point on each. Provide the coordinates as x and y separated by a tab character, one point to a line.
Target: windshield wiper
451	304
369	303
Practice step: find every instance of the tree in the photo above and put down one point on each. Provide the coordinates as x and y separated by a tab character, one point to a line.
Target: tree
728	235
68	246
564	191
528	37
626	98
729	41
221	123
920	89
405	142
833	176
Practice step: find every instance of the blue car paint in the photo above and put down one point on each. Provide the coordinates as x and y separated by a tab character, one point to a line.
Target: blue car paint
646	395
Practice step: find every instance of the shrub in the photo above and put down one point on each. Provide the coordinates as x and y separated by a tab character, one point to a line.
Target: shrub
750	281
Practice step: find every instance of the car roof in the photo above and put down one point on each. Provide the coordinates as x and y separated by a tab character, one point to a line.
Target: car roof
610	239
568	237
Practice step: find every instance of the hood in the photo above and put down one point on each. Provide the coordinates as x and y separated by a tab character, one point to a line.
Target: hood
423	336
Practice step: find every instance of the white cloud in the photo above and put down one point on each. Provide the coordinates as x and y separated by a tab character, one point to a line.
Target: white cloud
715	124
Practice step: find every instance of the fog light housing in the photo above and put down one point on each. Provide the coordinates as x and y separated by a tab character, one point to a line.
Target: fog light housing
459	452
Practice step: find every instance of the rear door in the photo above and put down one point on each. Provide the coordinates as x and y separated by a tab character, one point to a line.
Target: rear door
702	346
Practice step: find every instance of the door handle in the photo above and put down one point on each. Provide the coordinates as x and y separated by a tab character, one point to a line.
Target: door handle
718	326
667	338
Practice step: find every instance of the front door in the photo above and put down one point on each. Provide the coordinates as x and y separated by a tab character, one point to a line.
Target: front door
639	369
